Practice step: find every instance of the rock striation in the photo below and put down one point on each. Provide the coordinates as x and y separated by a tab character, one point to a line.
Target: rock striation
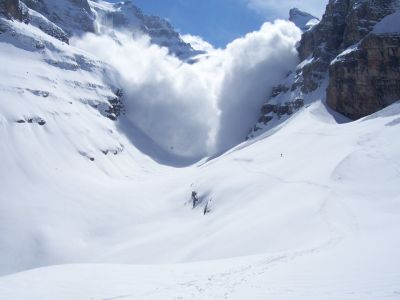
365	77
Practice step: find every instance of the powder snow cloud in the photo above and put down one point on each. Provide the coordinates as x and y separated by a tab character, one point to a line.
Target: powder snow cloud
199	109
197	42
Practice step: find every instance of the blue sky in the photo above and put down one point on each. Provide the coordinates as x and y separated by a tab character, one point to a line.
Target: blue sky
217	21
221	21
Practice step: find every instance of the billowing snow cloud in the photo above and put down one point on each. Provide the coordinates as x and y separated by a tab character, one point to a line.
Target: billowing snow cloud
199	109
281	8
167	99
197	42
253	65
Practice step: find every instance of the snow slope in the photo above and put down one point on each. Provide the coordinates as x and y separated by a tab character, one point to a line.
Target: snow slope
74	17
313	224
53	119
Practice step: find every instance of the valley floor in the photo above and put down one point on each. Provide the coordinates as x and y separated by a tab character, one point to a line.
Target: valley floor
308	211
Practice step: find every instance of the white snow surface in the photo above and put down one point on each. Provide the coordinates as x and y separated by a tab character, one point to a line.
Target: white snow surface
313	224
308	210
344	53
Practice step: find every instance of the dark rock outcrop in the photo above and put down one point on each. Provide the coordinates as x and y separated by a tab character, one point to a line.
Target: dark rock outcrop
116	107
12	9
113	108
49	28
367	79
287	108
34	120
18	10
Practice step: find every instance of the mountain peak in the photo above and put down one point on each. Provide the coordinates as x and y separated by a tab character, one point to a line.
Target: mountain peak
304	20
125	15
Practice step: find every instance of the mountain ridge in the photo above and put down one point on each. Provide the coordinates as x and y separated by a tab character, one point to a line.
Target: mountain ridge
66	18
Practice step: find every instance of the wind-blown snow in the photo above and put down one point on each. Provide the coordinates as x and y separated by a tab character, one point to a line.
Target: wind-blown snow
197	42
252	66
193	110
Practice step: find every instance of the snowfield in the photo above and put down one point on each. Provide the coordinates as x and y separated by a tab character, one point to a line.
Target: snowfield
93	208
321	222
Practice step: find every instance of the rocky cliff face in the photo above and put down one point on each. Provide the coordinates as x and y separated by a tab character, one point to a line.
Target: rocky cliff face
365	77
344	24
345	60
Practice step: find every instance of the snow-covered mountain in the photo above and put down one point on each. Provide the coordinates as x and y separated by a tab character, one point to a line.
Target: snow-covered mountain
302	19
73	16
65	18
126	16
308	209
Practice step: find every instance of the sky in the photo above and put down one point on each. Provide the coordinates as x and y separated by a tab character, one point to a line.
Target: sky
221	21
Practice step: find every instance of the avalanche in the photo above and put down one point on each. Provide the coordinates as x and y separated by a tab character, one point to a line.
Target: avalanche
93	208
